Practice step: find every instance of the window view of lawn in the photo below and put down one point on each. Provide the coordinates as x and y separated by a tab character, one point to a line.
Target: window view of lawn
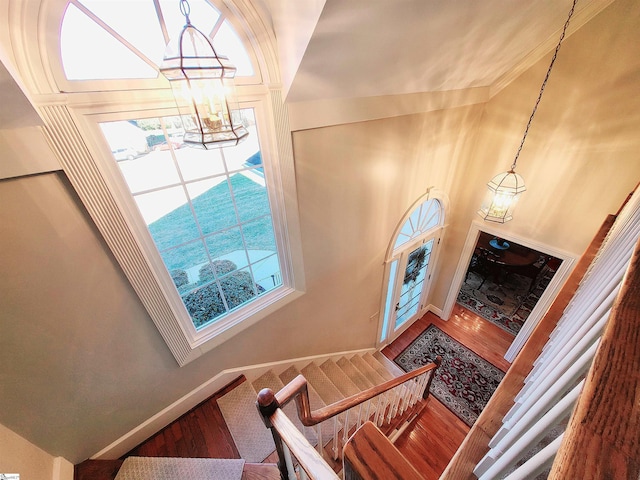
220	235
208	213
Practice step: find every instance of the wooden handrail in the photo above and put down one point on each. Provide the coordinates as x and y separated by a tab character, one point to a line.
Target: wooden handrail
602	439
308	458
284	432
297	389
475	444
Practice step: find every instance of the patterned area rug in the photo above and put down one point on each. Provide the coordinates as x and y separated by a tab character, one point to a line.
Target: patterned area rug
463	383
508	305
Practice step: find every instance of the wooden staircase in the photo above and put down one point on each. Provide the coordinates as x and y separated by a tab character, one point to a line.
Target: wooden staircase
329	382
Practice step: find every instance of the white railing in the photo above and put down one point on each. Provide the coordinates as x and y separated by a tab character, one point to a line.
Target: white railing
532	430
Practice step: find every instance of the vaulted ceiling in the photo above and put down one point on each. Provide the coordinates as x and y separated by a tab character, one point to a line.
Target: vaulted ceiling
340	49
333	49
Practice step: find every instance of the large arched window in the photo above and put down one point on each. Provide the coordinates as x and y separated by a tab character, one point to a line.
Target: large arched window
207	238
410	260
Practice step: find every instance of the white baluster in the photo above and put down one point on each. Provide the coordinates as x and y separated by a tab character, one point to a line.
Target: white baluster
288	462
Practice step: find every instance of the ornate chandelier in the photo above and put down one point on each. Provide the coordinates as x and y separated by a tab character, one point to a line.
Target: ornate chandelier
202	85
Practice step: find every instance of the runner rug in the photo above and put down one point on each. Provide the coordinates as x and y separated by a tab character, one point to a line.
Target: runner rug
463	383
165	468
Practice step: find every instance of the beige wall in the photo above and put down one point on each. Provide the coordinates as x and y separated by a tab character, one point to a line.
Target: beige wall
580	159
18	455
85	363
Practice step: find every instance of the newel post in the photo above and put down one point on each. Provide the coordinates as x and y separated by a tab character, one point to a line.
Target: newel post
438	362
267	405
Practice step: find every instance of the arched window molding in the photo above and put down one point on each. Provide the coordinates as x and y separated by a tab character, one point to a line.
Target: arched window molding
71	128
421	228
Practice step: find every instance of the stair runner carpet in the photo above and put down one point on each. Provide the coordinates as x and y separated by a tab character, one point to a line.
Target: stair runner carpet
328	382
163	468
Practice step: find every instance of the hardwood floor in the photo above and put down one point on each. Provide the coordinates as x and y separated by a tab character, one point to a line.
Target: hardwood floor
436	434
429	444
483	337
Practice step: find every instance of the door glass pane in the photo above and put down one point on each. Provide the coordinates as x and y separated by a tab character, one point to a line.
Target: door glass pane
413	283
389	300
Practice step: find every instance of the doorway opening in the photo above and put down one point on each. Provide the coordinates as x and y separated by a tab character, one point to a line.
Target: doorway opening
505	280
509	280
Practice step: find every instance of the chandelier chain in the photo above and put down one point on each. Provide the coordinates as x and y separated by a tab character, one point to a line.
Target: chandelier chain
185	9
544	84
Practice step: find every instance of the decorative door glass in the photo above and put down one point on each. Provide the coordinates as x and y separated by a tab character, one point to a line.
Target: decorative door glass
411	251
412	283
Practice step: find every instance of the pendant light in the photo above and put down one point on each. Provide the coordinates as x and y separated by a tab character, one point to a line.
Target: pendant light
202	85
505	188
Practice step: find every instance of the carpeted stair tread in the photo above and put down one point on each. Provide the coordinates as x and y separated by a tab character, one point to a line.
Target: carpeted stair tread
289	374
268	380
339	378
323	385
354	374
164	468
390	365
315	401
388	370
271	380
327	383
346	387
326	389
252	438
374	377
367	370
378	367
314	398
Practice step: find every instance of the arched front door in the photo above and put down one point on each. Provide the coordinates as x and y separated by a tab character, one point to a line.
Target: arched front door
409	264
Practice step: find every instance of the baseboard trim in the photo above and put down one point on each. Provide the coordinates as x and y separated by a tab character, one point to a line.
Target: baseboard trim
201	393
438	311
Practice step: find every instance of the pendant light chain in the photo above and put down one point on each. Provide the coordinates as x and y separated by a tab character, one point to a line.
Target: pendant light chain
544	84
185	9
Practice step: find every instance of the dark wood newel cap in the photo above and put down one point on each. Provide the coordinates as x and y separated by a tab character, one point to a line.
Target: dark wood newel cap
266	397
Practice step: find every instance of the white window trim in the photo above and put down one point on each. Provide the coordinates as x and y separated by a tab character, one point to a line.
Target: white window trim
58	9
173	321
70	127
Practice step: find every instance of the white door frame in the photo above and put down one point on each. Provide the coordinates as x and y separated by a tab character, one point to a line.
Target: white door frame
547	297
392	256
435	235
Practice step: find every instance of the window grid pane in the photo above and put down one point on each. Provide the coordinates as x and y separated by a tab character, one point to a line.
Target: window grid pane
129	52
422	219
214	233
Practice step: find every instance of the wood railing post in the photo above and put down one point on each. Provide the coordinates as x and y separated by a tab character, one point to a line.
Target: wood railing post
267	405
438	362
